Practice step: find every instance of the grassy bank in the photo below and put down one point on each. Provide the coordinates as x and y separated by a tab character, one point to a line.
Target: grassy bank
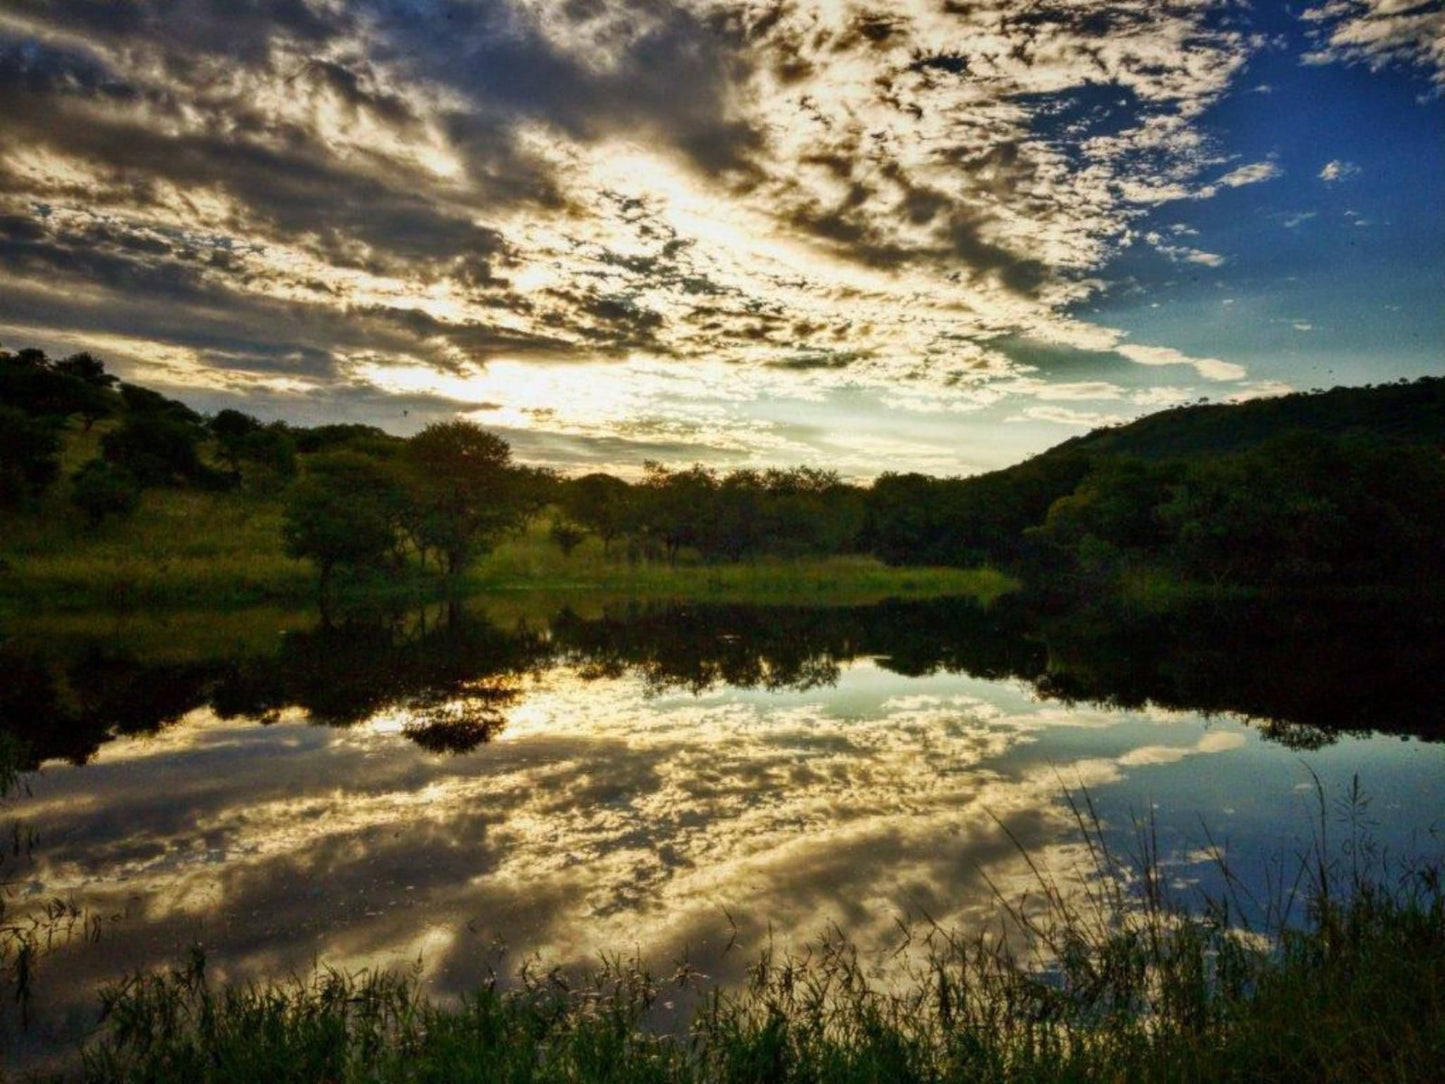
1121	985
188	549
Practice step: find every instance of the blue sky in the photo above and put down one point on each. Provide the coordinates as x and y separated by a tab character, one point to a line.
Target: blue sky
921	235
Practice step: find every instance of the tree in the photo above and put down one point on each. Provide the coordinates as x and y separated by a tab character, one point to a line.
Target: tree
33	384
670	504
600	503
231	428
29	455
269	450
94	394
101	489
139	400
87	368
567	536
157	447
241	438
732	524
466	491
342	513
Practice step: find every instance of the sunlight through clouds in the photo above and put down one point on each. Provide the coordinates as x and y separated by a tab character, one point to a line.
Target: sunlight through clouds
800	200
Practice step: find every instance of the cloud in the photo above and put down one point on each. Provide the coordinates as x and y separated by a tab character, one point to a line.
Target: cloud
817	197
1219	741
1208	368
1259	389
1338	170
1253	173
1379	33
1185	254
1064	416
609	813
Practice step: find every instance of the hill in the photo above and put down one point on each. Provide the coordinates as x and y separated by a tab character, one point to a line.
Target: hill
1408	412
1321	489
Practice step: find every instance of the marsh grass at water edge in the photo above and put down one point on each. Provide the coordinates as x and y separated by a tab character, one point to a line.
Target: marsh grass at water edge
1340	976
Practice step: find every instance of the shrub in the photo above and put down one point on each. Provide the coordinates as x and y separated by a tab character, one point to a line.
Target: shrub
101	489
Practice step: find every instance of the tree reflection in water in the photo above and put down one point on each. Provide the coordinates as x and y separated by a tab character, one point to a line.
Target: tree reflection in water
1303	672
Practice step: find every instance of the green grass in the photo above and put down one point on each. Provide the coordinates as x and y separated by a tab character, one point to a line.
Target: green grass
1120	983
189	549
181	547
532	562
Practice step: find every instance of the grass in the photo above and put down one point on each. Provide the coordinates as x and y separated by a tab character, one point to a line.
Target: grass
180	547
531	562
1121	982
185	548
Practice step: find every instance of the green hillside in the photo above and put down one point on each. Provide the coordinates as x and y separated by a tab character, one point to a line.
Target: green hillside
1320	489
1411	412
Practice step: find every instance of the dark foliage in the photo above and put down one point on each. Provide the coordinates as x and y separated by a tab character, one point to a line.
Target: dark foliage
742	514
465	491
157	447
321	438
1345	487
344	513
1305	672
33	384
29	455
599	503
251	450
1339	488
101	488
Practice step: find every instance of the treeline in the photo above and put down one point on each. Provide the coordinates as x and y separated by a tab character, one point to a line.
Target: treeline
153	441
362	500
729	516
452	492
1345	486
1301	509
1293	666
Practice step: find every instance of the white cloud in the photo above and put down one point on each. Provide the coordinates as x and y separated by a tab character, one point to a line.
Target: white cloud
1208	368
1159	397
1338	170
1259	389
1185	254
1379	33
1253	173
1063	416
907	197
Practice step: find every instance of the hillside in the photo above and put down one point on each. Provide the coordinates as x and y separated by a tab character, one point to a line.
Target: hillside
1316	489
1405	413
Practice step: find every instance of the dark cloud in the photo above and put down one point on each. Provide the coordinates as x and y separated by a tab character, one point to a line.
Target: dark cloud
674	80
55	277
285	187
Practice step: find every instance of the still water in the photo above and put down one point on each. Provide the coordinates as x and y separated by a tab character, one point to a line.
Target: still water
459	790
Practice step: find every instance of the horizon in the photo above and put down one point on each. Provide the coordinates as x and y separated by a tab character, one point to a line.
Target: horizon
938	239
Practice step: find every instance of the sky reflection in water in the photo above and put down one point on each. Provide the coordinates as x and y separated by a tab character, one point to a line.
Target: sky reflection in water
616	812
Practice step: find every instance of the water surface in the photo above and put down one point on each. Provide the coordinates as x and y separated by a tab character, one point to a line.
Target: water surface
453	790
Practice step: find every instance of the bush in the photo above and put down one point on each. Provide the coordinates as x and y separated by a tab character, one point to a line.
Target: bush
101	489
29	455
157	448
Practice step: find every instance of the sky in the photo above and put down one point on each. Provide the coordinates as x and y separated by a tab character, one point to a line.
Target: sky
935	235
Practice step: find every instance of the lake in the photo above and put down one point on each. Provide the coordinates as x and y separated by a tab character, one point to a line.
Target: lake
457	789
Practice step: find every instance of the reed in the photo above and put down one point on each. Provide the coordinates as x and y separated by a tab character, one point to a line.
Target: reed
1343	981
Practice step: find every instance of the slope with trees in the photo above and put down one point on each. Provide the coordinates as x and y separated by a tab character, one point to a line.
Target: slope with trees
1344	487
